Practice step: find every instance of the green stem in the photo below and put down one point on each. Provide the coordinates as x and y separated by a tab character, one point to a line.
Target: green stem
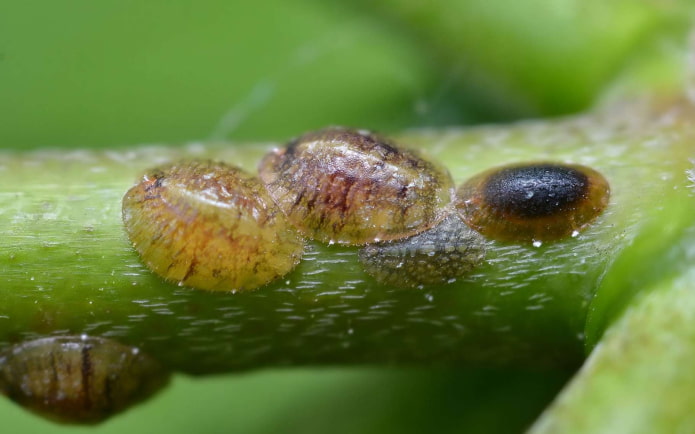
639	378
68	267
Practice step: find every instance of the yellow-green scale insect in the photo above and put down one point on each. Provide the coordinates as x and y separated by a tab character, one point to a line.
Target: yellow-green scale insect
210	226
533	201
351	187
78	379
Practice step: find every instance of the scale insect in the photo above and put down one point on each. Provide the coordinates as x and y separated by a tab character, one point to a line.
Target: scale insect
533	201
78	379
210	226
437	256
352	187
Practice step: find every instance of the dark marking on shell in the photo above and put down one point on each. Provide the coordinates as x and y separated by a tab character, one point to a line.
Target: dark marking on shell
533	201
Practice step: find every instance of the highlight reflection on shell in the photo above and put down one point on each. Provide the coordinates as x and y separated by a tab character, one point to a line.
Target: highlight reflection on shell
210	226
75	379
352	187
533	201
439	255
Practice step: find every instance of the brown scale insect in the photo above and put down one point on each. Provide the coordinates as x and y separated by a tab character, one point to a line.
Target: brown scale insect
73	379
437	256
210	226
344	186
533	201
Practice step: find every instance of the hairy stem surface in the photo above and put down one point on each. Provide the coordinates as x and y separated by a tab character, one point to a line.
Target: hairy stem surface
68	267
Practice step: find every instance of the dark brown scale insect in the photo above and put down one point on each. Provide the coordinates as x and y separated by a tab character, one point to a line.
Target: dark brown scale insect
533	201
210	226
437	256
73	379
351	187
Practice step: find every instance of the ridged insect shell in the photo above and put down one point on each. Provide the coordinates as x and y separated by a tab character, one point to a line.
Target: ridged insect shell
210	226
437	256
351	187
533	201
74	379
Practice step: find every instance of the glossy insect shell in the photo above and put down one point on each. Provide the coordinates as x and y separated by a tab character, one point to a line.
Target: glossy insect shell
440	255
73	379
209	226
350	187
533	201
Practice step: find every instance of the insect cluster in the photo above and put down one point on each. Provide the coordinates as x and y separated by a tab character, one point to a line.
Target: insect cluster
212	226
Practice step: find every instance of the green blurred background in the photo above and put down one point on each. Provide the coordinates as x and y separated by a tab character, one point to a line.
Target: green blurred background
78	74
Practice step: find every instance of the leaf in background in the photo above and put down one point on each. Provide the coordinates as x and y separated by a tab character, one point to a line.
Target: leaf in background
535	57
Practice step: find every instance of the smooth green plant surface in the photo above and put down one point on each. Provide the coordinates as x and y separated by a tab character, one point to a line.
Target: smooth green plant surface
635	380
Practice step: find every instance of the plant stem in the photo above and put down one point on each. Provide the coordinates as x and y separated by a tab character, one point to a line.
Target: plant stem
639	378
68	267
